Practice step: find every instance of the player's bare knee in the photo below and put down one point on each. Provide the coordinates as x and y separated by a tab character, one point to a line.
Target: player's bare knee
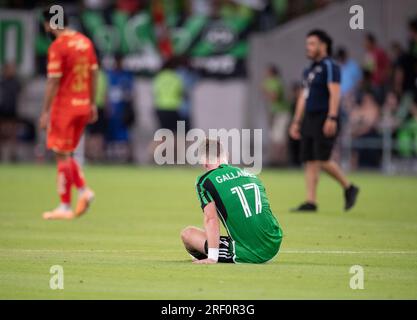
324	163
186	234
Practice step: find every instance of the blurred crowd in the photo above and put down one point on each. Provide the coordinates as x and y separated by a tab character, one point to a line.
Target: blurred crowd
379	91
272	12
378	97
110	139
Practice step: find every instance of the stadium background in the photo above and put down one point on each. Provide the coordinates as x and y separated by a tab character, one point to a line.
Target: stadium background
219	47
128	247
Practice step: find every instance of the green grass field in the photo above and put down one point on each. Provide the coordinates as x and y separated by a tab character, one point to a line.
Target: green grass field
128	245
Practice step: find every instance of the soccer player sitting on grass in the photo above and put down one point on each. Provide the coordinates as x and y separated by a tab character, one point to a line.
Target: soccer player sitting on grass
238	199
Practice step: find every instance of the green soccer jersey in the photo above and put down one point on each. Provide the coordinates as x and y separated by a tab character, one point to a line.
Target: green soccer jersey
243	207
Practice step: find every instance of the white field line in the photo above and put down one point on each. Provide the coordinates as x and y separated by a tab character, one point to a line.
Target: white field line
286	251
382	252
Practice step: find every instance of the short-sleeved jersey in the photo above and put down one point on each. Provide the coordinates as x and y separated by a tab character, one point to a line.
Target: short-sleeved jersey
72	57
243	207
315	82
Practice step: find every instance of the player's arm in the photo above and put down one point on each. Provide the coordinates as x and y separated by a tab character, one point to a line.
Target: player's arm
212	228
94	69
52	85
93	86
298	116
54	73
333	85
330	125
334	100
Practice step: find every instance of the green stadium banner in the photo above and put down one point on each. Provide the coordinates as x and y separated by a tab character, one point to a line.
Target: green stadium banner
216	46
17	34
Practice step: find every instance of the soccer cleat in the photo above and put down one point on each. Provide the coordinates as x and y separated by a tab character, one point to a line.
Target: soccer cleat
305	207
84	202
58	214
351	194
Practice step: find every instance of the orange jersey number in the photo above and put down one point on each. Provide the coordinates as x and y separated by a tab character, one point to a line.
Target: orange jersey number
81	71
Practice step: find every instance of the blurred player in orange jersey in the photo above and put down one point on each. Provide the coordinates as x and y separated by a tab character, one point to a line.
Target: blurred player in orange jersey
68	108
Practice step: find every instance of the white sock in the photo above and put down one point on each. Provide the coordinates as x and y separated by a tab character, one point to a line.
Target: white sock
64	206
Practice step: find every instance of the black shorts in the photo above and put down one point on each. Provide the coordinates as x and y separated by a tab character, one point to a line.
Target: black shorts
98	127
314	144
168	119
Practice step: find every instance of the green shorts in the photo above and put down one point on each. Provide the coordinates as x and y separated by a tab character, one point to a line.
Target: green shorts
263	254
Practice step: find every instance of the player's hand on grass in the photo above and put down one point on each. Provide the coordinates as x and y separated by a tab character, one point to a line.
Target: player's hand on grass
94	114
43	120
295	131
329	128
205	261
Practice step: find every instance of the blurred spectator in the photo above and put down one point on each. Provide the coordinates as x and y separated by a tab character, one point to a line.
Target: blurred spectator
227	9
189	79
351	79
201	7
274	12
120	111
18	4
407	135
403	70
168	90
279	115
280	8
9	92
376	62
390	118
95	139
294	145
129	6
299	7
97	4
412	27
162	31
404	129
351	73
10	89
363	122
168	96
413	55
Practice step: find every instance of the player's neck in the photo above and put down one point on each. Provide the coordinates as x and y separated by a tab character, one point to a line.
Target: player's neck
60	32
214	166
320	57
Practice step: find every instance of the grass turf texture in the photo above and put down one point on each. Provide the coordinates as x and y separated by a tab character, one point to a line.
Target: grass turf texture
128	245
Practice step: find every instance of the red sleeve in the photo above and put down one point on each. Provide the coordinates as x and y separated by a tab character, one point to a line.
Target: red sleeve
54	67
93	57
